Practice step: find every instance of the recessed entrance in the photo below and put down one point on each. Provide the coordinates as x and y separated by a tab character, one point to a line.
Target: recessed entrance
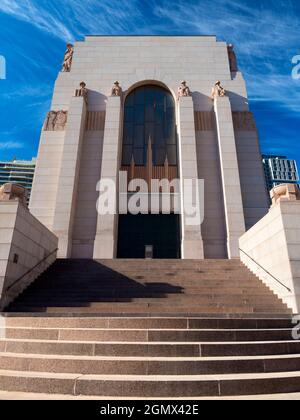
149	153
160	231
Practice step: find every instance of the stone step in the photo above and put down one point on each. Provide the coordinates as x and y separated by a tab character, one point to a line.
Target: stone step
123	291
152	311
153	349
145	323
117	263
150	386
150	285
146	335
93	301
148	274
30	396
98	365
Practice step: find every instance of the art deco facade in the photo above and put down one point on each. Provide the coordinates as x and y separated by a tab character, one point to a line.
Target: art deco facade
146	126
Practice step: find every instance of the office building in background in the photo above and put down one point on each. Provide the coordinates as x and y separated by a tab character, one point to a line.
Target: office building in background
280	170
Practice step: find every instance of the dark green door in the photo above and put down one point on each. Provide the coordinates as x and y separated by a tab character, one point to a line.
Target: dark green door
160	231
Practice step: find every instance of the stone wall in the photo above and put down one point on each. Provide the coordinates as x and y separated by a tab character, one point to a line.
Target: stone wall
24	242
274	243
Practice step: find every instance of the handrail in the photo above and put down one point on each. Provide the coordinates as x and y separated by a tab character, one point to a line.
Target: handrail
30	270
278	281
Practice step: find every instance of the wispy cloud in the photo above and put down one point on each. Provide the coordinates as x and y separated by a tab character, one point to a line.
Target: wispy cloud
266	36
11	145
28	91
72	18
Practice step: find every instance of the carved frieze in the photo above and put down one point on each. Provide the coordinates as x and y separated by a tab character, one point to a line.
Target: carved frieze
56	121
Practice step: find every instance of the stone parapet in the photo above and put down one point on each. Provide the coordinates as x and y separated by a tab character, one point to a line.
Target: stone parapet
27	248
271	249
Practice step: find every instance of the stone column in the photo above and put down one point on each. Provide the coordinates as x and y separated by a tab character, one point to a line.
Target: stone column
68	178
105	246
192	244
233	204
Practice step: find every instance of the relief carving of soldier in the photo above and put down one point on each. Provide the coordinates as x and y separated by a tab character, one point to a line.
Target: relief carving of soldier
56	120
61	120
50	121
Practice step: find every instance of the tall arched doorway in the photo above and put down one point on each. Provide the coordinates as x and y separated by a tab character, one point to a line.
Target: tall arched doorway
149	151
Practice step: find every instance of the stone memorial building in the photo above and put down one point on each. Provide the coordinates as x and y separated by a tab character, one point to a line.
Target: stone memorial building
156	108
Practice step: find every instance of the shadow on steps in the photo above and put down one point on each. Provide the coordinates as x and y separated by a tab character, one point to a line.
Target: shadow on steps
69	283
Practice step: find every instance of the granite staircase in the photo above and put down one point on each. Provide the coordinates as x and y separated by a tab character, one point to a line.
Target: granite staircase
147	329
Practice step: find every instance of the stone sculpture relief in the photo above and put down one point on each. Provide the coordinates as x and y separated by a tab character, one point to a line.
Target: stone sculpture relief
82	91
285	192
218	90
116	89
67	64
183	90
56	121
13	192
232	59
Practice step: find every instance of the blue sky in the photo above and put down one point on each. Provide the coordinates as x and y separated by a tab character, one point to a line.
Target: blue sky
34	34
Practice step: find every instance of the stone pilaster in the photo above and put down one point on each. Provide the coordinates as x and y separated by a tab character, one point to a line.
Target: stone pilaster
192	244
105	246
234	212
68	177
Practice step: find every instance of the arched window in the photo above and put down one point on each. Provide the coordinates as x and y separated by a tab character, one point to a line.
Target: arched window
149	116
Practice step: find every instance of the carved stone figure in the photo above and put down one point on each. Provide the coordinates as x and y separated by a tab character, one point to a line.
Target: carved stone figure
50	121
183	90
218	90
61	120
13	192
56	121
284	192
116	90
82	91
67	64
232	59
